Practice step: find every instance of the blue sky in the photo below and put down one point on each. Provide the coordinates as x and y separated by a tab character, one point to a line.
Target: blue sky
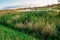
6	3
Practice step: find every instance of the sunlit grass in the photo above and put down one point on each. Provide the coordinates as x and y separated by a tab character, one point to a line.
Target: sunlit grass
10	34
42	23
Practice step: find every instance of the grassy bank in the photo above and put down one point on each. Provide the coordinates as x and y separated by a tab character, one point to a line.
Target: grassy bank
10	34
39	24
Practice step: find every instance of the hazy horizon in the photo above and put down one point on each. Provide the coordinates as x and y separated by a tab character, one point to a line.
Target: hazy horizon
6	3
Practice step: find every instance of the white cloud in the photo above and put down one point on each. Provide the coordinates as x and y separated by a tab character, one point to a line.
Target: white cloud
41	2
31	2
36	2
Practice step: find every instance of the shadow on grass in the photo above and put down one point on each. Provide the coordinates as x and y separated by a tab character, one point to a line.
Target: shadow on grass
34	33
26	31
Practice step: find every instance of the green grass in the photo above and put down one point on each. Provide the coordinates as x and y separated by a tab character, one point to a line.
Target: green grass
10	34
36	25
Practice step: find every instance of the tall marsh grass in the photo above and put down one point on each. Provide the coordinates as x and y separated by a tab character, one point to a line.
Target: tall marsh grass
45	23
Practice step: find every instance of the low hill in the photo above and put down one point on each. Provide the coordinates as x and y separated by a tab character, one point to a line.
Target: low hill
48	7
53	6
